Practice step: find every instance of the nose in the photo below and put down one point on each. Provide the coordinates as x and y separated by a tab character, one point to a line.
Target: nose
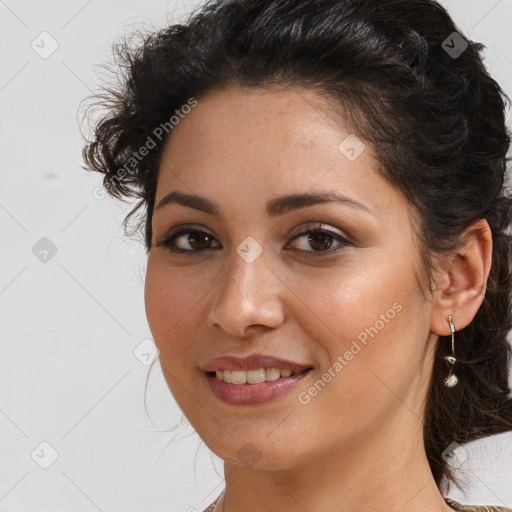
248	295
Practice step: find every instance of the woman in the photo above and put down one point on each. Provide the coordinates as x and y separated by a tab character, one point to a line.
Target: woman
328	277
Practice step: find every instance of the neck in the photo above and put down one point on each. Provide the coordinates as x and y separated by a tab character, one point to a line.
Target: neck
357	475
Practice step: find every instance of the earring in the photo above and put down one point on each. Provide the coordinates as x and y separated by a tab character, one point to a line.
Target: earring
452	379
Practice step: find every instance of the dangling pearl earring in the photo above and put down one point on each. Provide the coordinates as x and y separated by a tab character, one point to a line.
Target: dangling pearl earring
452	379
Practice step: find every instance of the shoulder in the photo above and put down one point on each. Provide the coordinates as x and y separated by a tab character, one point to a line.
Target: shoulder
476	508
212	506
454	504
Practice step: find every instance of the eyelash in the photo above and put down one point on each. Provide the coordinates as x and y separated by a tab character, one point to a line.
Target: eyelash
168	241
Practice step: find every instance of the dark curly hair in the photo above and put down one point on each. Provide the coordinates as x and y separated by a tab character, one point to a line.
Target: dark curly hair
411	85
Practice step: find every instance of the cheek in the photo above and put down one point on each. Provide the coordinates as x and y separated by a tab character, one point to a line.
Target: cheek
364	323
171	296
172	300
342	302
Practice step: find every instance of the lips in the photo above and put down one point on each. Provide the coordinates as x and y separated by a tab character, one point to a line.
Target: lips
254	394
253	362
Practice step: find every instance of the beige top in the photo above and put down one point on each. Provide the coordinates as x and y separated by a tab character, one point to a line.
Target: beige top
455	505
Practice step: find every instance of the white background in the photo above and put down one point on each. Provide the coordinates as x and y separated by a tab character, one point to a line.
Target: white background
68	327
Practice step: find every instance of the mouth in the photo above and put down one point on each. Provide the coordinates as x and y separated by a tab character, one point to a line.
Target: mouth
252	377
256	391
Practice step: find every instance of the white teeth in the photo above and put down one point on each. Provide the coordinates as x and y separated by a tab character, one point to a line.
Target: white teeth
252	376
272	373
238	377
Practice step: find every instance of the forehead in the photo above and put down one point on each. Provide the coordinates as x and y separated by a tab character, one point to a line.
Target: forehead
257	118
240	143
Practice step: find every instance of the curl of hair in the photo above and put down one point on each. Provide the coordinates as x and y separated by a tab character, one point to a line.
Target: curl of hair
437	125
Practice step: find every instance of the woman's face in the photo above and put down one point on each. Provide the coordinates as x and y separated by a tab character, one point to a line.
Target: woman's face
346	302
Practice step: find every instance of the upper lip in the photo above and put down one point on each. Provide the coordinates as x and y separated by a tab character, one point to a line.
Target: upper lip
252	362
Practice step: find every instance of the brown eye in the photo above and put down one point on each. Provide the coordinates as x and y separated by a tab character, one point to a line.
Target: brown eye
197	240
321	241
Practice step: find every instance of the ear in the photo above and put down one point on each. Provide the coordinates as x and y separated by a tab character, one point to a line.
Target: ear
462	280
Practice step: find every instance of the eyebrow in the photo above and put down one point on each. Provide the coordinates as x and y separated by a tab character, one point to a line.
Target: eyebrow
275	207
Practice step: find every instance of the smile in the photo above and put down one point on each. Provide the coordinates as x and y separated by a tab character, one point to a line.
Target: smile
253	386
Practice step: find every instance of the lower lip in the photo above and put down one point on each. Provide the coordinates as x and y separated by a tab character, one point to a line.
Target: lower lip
250	394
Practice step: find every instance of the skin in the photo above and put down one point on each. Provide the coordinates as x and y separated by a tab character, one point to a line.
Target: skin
357	445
